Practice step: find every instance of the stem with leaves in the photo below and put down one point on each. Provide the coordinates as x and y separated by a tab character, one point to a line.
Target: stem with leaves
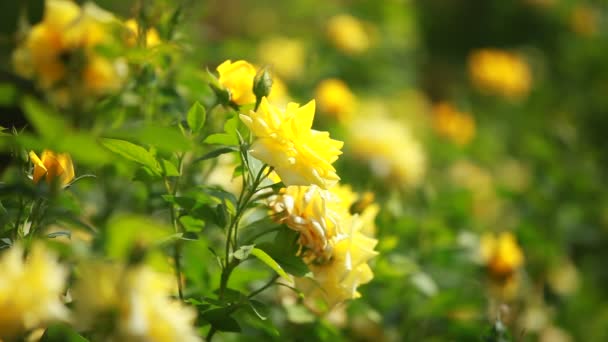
174	220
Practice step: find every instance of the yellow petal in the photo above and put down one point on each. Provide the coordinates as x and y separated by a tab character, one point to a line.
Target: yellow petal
39	168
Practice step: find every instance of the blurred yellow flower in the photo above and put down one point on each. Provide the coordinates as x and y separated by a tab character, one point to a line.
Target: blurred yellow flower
30	290
335	98
152	37
501	254
390	149
238	78
52	165
457	126
140	299
348	34
284	140
64	40
285	56
583	20
337	279
500	72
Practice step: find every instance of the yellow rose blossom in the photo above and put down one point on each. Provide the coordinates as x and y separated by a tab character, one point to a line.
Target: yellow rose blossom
337	279
152	37
500	72
501	254
336	247
390	149
348	34
284	140
309	211
457	126
66	38
140	299
238	78
30	290
335	98
51	166
285	56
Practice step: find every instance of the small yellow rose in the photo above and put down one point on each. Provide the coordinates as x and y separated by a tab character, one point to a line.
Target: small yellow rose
238	78
52	166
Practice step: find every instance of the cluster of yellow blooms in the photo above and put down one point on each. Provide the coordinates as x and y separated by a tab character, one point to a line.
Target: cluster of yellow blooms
457	126
127	304
30	290
333	241
500	72
60	52
131	304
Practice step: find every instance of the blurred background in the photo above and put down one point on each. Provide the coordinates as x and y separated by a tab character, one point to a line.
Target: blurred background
479	126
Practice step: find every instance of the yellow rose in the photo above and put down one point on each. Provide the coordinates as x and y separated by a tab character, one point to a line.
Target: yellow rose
337	279
238	78
457	126
30	290
348	34
335	98
500	72
284	140
501	254
52	166
309	210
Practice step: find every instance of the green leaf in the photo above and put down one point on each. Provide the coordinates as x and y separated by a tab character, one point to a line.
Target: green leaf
165	139
46	122
243	252
220	319
256	229
192	224
133	152
229	137
215	153
169	169
61	332
196	117
270	262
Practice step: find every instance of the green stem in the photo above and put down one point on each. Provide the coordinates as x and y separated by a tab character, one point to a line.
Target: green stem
267	285
232	232
177	248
